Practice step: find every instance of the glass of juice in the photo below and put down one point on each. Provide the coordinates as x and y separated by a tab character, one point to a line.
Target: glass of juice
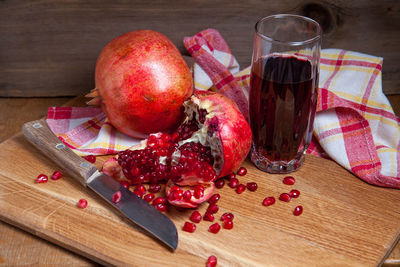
283	90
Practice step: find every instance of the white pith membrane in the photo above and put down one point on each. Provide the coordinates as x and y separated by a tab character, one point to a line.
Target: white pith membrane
204	135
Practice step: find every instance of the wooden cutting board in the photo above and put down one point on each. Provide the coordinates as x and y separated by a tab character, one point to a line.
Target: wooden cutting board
345	222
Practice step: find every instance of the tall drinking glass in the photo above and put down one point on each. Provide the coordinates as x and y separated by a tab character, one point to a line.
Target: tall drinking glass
283	90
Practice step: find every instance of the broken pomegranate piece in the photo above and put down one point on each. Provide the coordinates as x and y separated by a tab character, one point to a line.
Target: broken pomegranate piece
212	142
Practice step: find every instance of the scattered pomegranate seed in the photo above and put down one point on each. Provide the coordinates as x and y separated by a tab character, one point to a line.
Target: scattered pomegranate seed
211	261
252	186
233	183
149	197
208	217
212	208
240	188
82	203
219	183
189	227
227	216
116	197
159	200
56	175
227	224
242	171
42	178
289	180
294	193
195	217
298	210
125	184
268	201
285	197
214	228
154	188
231	176
90	158
160	206
214	198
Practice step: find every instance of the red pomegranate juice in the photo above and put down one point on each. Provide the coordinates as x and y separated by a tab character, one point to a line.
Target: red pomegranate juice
282	108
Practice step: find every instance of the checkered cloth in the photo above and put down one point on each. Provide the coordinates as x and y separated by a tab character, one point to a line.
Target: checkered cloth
354	125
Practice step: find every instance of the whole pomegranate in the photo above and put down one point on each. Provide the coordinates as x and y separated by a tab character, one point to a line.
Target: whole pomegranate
142	81
212	142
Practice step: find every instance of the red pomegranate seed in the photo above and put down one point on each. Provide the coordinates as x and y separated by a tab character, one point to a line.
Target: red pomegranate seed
90	158
289	180
208	217
161	207
116	197
176	193
159	200
82	203
56	175
242	171
214	198
154	188
140	190
212	208
233	183
227	216
227	224
214	228
294	193
211	261
195	217
189	227
219	183
298	210
240	188
198	191
149	197
268	201
231	176
42	178
187	195
252	186
125	184
285	197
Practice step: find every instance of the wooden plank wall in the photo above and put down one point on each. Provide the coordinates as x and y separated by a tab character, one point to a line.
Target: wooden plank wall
49	47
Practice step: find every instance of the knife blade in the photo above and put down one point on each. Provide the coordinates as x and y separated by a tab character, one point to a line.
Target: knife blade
134	208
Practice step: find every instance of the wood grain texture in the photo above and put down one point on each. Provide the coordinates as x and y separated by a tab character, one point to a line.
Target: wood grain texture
343	208
354	224
18	247
49	48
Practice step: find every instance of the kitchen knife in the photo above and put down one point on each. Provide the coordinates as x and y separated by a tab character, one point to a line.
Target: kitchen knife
134	208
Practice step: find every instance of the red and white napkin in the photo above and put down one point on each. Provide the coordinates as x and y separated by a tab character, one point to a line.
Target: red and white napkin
354	125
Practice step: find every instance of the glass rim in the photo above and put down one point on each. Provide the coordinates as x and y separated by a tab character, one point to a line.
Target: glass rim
318	33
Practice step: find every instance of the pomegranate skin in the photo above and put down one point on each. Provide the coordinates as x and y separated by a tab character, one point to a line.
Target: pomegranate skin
232	128
142	81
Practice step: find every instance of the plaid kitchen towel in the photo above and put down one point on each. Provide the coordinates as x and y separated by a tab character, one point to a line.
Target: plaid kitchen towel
355	124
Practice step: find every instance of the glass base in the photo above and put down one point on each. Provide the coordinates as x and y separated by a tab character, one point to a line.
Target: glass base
282	167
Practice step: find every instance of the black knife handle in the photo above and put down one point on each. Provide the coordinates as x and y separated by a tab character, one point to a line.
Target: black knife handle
39	134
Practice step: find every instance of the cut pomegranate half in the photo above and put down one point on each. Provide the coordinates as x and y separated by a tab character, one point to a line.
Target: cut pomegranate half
212	142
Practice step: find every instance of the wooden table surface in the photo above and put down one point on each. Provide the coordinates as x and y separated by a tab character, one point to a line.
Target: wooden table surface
48	49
